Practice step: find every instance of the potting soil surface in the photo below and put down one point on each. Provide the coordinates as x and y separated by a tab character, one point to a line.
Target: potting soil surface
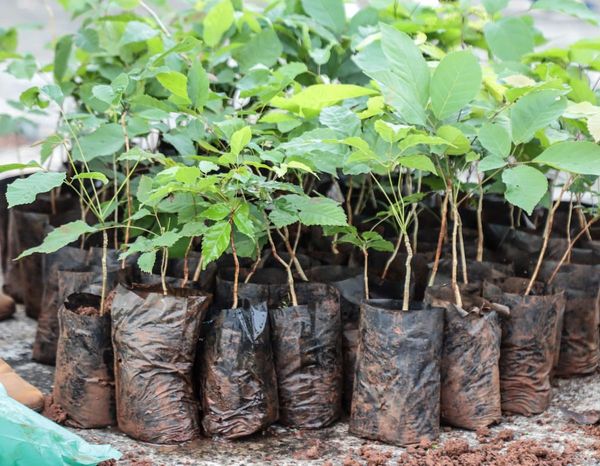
547	439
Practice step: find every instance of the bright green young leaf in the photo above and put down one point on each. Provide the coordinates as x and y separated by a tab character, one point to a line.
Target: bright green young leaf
535	111
216	212
218	20
106	140
92	176
417	162
166	239
60	237
574	8
146	261
175	82
198	85
242	221
458	142
240	139
578	157
525	187
509	38
491	162
455	83
25	190
495	139
18	166
215	241
329	13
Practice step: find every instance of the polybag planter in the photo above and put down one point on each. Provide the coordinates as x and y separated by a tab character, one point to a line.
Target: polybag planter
27	438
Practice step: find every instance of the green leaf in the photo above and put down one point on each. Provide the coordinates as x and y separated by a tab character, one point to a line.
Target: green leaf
198	85
568	7
240	139
525	187
216	212
175	82
340	119
92	176
218	20
166	239
535	111
60	237
136	31
458	142
579	157
61	57
146	261
329	13
509	38
106	140
406	60
417	162
215	241
495	139
317	210
491	162
263	48
25	190
104	92
494	6
455	83
242	221
18	166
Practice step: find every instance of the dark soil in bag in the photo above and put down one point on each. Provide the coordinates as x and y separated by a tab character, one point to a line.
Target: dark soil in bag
530	344
67	271
350	284
518	247
393	285
476	271
307	347
4	221
237	376
470	377
84	377
155	339
580	340
396	395
265	285
206	281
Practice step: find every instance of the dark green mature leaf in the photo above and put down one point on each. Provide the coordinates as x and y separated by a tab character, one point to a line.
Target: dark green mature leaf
495	139
455	83
525	187
60	237
578	157
329	13
198	85
264	48
569	7
106	140
510	38
218	20
535	111
215	241
25	190
61	57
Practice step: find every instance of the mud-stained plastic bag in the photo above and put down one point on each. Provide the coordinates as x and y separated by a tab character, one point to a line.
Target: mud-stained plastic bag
155	339
27	438
238	383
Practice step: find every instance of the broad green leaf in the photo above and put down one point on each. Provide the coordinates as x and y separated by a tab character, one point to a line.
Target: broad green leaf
240	139
525	187
318	210
341	120
593	125
175	82
313	99
215	241
218	20
61	57
104	92
106	140
60	237
146	261
494	6
390	132
495	139
569	7
216	212
491	162
166	239
198	85
242	221
406	61
92	176
535	111
18	166
329	13
136	31
25	190
509	38
458	142
455	83
187	175
263	48
578	157
417	162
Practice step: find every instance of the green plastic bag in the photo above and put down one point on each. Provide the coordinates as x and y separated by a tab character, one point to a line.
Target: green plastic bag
29	439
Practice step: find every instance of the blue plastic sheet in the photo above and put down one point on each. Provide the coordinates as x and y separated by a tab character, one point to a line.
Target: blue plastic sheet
29	439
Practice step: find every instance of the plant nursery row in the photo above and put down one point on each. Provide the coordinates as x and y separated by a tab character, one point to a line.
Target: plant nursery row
290	213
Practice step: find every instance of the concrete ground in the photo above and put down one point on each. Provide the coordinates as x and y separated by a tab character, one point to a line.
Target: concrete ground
332	446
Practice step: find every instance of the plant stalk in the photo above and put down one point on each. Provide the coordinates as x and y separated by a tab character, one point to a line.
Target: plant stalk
104	270
440	242
366	272
408	271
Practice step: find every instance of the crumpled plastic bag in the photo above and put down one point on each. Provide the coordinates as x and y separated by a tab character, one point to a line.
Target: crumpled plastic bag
29	439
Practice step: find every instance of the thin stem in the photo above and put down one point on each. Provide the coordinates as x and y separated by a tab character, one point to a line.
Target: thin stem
479	257
236	273
163	270
455	288
463	259
408	272
287	268
152	13
186	271
392	257
104	270
366	271
440	242
198	270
